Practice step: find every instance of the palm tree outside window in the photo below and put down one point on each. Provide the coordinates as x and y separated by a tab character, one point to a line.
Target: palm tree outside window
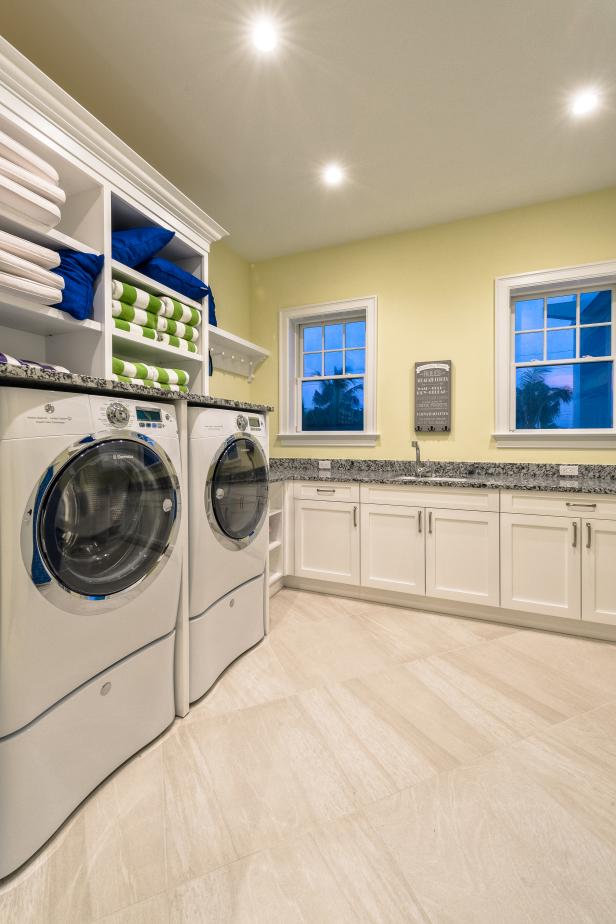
332	366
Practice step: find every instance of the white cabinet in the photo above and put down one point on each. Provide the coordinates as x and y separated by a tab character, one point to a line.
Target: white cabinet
327	540
540	564
393	548
598	549
462	556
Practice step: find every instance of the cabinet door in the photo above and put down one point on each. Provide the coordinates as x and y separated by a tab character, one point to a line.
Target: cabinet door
327	541
393	548
599	571
462	560
540	564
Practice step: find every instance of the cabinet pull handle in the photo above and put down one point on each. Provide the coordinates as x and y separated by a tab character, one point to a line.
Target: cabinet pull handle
574	504
419	521
588	535
354	516
574	543
429	521
326	490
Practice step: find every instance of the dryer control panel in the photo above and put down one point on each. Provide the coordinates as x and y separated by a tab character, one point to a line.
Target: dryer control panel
124	414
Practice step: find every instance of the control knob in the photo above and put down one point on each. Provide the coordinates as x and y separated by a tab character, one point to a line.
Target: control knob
241	422
118	414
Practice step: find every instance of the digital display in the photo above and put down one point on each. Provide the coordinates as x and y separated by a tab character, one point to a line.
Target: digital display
149	413
254	422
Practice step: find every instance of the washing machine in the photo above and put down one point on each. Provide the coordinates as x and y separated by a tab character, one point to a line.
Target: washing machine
90	568
228	538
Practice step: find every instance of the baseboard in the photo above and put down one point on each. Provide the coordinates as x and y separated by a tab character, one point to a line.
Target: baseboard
500	615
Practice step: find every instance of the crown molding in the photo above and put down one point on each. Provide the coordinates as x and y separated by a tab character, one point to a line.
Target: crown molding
32	96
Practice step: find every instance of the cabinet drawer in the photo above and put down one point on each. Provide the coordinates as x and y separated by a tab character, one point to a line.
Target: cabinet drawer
428	496
559	505
323	490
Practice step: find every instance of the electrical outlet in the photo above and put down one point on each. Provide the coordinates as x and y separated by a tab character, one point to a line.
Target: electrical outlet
568	470
325	465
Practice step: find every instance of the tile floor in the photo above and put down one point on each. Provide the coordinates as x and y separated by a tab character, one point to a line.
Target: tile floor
364	763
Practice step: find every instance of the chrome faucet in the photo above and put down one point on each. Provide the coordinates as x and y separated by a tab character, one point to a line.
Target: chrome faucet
415	446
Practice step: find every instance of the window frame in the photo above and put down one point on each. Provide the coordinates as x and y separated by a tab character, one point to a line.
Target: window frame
291	323
545	282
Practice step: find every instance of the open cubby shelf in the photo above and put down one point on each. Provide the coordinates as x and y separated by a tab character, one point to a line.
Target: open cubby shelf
135	278
21	314
150	351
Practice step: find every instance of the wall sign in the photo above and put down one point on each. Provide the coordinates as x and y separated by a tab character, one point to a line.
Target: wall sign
433	396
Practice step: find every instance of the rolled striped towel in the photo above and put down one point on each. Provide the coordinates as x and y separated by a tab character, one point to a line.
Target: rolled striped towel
185	345
131	295
7	360
179	312
154	373
148	383
135	315
185	331
136	330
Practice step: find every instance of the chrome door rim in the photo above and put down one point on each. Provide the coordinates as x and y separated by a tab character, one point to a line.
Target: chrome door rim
54	591
220	534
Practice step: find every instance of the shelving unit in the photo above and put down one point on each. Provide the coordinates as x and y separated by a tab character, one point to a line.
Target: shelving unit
276	538
234	354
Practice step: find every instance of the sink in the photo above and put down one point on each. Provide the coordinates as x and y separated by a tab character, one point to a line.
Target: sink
430	478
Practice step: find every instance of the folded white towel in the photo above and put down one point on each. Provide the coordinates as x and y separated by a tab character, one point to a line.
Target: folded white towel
9	263
42	256
44	188
21	203
33	291
24	157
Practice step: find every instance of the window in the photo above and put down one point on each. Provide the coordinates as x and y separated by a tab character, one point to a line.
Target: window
327	373
556	358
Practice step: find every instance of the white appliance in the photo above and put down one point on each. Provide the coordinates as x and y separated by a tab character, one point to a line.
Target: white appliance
228	538
89	590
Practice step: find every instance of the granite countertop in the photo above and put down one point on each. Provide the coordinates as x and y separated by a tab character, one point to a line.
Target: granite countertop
525	480
32	377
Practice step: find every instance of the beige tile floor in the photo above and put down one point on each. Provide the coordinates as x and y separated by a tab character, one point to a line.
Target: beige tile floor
364	763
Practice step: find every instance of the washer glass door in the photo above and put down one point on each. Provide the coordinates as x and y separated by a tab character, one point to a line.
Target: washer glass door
107	517
238	486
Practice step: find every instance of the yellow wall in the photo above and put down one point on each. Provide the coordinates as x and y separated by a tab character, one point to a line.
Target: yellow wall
229	277
435	291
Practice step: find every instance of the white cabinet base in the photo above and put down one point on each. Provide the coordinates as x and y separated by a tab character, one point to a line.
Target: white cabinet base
540	564
393	548
599	571
327	540
462	556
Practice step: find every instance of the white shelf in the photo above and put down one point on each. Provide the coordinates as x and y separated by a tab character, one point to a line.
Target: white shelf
21	314
234	354
275	577
150	351
37	234
130	275
275	512
275	544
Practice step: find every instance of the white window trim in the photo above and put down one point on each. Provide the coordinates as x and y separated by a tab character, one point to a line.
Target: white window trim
289	320
507	287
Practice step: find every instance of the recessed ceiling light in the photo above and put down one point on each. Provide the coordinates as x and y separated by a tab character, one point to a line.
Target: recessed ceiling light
333	175
584	102
264	35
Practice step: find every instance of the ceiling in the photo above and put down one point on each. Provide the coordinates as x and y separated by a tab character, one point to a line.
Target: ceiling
439	109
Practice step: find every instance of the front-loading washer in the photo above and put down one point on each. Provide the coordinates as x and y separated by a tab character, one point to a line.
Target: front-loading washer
228	538
90	568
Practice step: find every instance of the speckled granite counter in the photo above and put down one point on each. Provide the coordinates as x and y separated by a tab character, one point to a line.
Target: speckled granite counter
31	377
507	476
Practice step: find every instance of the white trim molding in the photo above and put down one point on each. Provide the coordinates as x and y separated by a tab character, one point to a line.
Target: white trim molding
288	322
507	287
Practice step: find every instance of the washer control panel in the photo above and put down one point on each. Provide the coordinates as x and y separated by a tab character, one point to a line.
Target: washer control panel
143	416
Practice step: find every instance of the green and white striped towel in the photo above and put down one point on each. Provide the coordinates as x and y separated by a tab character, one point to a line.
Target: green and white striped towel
138	331
179	312
131	295
185	345
185	331
148	383
154	373
135	315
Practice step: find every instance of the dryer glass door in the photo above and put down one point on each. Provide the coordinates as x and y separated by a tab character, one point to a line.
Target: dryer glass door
107	517
239	488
